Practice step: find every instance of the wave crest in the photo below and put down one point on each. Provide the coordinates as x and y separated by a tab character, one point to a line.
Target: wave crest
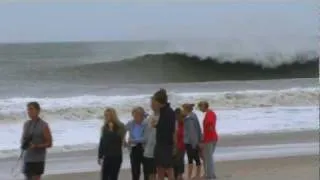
176	67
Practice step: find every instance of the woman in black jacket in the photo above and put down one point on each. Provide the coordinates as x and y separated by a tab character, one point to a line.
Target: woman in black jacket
110	146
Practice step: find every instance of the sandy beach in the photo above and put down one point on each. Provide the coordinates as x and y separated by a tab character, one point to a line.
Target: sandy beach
287	168
291	155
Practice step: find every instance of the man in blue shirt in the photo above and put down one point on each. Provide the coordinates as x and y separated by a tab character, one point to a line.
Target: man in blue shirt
136	141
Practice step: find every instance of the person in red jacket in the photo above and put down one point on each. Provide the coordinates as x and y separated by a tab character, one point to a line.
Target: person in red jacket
210	139
180	148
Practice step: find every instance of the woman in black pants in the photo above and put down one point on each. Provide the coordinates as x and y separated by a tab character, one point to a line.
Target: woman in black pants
136	129
110	146
192	138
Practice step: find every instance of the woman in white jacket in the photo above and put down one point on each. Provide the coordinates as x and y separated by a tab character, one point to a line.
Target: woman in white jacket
150	137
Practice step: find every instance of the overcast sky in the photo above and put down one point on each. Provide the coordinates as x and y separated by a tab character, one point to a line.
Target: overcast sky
30	22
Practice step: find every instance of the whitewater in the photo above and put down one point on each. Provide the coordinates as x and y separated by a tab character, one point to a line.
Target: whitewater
239	112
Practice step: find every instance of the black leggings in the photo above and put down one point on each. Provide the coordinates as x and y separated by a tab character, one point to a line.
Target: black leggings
111	168
193	154
179	164
136	160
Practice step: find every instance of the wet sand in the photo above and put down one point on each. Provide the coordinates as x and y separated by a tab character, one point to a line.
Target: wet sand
287	168
278	156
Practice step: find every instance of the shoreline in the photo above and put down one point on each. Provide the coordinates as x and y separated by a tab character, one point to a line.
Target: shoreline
285	168
224	141
242	149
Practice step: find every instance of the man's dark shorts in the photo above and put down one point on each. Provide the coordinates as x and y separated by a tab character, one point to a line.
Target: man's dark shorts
33	169
163	155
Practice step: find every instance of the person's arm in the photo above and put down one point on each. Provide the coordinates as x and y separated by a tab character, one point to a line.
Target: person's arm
205	120
47	138
127	126
187	129
127	130
175	137
214	120
122	131
24	131
146	133
194	134
198	126
101	147
172	127
147	130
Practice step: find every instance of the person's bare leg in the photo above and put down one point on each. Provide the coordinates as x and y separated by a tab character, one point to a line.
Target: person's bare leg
190	170
152	177
198	172
36	177
204	169
170	174
161	173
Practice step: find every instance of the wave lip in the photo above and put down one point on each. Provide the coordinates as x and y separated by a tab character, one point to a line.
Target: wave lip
176	67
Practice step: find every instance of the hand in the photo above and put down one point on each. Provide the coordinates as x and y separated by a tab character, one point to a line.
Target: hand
110	124
201	145
32	146
100	161
153	122
129	142
126	143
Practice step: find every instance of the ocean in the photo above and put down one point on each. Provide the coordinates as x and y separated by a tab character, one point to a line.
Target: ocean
75	81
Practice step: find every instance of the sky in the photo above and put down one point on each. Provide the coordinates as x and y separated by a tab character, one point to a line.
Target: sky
105	21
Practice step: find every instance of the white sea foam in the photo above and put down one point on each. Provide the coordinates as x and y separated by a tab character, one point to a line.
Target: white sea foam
75	121
91	107
82	135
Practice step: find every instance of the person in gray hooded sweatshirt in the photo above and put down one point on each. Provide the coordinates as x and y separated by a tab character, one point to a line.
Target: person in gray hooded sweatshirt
192	139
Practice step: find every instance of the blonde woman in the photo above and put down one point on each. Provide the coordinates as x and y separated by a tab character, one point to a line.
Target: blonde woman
110	146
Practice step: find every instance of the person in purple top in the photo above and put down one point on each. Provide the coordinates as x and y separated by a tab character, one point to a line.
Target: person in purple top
165	130
136	129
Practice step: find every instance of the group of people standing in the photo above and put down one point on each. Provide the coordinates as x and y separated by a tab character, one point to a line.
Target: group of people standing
158	142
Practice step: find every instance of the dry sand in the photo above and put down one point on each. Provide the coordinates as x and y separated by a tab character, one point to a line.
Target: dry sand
287	168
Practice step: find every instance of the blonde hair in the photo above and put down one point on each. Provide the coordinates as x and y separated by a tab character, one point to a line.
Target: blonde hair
188	107
203	103
138	109
119	126
114	115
